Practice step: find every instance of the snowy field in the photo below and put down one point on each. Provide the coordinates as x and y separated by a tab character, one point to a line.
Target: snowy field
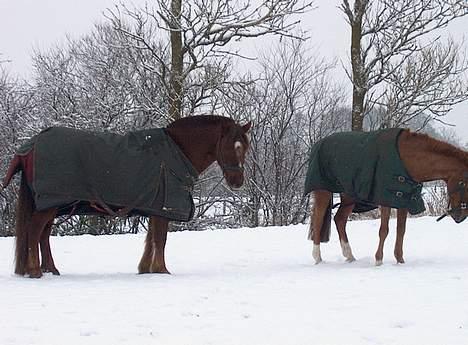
245	287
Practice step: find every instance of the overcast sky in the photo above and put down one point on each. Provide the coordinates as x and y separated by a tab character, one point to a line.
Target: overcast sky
26	25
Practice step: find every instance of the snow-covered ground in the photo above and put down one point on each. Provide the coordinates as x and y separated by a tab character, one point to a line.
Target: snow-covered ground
248	286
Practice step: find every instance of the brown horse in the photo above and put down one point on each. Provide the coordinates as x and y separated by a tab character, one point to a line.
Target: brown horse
425	159
203	140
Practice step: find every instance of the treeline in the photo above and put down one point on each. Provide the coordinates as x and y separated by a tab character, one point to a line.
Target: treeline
122	76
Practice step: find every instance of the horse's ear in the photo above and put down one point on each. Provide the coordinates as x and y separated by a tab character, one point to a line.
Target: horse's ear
247	126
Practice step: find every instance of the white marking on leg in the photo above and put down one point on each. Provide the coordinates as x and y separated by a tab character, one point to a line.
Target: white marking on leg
316	253
347	252
378	262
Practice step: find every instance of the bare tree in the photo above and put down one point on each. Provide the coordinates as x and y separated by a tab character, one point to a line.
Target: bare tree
426	85
389	41
200	31
293	104
16	107
99	82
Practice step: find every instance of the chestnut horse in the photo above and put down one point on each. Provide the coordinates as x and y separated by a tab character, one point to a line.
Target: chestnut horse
203	140
425	159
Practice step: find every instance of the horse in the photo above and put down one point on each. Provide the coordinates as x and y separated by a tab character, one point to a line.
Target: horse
424	159
202	140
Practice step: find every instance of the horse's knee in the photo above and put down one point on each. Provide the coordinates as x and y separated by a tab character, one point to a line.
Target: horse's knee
338	220
341	217
383	232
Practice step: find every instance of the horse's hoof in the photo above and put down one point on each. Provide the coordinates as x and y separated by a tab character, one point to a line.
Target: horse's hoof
378	262
35	274
54	271
162	270
142	269
400	261
316	254
20	273
347	252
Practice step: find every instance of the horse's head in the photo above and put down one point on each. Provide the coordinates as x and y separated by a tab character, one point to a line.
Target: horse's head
230	152
457	187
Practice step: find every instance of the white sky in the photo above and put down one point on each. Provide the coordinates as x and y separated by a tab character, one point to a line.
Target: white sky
26	25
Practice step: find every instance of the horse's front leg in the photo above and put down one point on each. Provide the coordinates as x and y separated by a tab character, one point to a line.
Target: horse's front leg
145	263
47	262
383	232
160	226
321	202
341	218
402	214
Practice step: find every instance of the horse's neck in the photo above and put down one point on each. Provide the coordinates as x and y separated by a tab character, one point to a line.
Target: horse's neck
198	145
423	163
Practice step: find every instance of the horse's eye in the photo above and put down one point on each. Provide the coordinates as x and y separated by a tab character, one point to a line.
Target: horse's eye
462	183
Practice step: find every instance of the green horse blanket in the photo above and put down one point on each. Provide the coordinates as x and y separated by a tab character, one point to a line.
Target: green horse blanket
140	173
365	166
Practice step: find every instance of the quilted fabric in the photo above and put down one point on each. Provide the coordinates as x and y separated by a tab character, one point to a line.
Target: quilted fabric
140	173
367	167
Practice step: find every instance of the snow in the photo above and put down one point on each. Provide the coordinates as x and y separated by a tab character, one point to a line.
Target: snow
247	286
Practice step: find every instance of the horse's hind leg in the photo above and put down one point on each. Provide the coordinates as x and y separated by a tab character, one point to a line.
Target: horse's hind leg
145	263
321	203
159	228
47	262
37	224
341	218
24	212
402	214
383	232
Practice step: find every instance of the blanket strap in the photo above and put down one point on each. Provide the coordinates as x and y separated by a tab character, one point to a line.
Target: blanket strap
70	214
101	206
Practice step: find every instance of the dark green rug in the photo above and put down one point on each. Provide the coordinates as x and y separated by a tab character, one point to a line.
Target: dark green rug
367	167
140	173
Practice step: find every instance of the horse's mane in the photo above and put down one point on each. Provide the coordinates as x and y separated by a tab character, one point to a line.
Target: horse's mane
200	120
441	147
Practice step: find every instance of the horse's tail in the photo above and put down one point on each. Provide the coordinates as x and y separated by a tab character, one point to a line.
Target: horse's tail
15	166
326	225
24	209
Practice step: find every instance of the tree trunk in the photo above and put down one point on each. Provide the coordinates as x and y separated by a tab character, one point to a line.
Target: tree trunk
177	61
359	76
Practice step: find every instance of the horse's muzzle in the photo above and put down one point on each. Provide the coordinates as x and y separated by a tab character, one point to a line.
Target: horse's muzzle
234	180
